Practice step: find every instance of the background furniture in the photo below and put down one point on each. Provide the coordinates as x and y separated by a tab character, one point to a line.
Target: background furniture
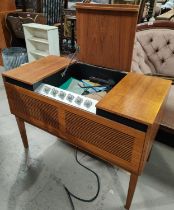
152	8
52	10
29	5
67	29
6	6
154	53
69	33
14	21
41	40
166	16
105	34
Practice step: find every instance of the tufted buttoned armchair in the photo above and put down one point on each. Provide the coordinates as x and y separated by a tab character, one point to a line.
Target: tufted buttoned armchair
154	54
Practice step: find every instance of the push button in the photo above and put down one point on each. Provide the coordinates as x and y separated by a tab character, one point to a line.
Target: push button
87	103
70	97
78	100
62	94
46	89
54	92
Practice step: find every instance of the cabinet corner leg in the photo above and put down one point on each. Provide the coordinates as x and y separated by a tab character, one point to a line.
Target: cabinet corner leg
22	130
131	190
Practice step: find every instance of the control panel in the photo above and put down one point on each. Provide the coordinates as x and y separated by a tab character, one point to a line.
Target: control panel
67	97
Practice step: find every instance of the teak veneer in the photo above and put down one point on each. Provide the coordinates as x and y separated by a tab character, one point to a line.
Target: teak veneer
118	100
127	118
37	70
7	5
105	34
121	132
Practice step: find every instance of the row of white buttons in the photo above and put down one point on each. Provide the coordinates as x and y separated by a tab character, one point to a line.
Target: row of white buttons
70	97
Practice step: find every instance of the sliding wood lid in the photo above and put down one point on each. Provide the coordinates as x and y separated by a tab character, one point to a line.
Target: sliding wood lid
137	97
38	70
105	34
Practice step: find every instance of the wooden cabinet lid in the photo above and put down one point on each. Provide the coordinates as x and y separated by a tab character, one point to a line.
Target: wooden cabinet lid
105	34
38	70
108	7
136	97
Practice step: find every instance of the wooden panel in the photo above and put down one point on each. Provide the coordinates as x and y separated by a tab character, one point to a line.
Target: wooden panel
111	141
38	70
108	139
3	35
105	34
150	137
32	109
7	5
136	97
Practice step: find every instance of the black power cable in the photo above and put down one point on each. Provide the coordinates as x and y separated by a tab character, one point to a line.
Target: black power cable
78	198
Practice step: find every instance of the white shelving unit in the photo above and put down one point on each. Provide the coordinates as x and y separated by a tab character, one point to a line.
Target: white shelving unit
41	40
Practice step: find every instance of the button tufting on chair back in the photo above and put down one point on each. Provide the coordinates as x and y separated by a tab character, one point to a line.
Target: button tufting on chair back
154	53
158	46
154	49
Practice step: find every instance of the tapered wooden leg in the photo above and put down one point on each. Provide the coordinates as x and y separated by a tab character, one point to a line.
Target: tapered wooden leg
22	130
149	155
131	190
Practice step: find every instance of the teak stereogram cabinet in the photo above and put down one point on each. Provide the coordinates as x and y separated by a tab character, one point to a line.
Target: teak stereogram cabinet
121	131
124	123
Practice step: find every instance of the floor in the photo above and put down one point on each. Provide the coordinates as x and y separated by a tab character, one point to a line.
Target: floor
34	179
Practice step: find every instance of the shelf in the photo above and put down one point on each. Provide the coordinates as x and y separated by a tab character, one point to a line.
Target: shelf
40	40
39	26
40	53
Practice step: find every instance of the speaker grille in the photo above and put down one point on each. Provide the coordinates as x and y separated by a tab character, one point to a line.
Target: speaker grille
34	108
106	138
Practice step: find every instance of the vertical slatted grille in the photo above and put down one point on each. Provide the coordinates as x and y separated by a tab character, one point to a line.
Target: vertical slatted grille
34	108
104	137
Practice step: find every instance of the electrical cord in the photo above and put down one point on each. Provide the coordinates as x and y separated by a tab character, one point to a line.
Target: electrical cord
70	195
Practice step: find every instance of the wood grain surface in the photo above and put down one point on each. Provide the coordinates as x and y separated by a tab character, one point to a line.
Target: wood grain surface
109	7
136	97
105	34
4	34
7	5
38	70
79	127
